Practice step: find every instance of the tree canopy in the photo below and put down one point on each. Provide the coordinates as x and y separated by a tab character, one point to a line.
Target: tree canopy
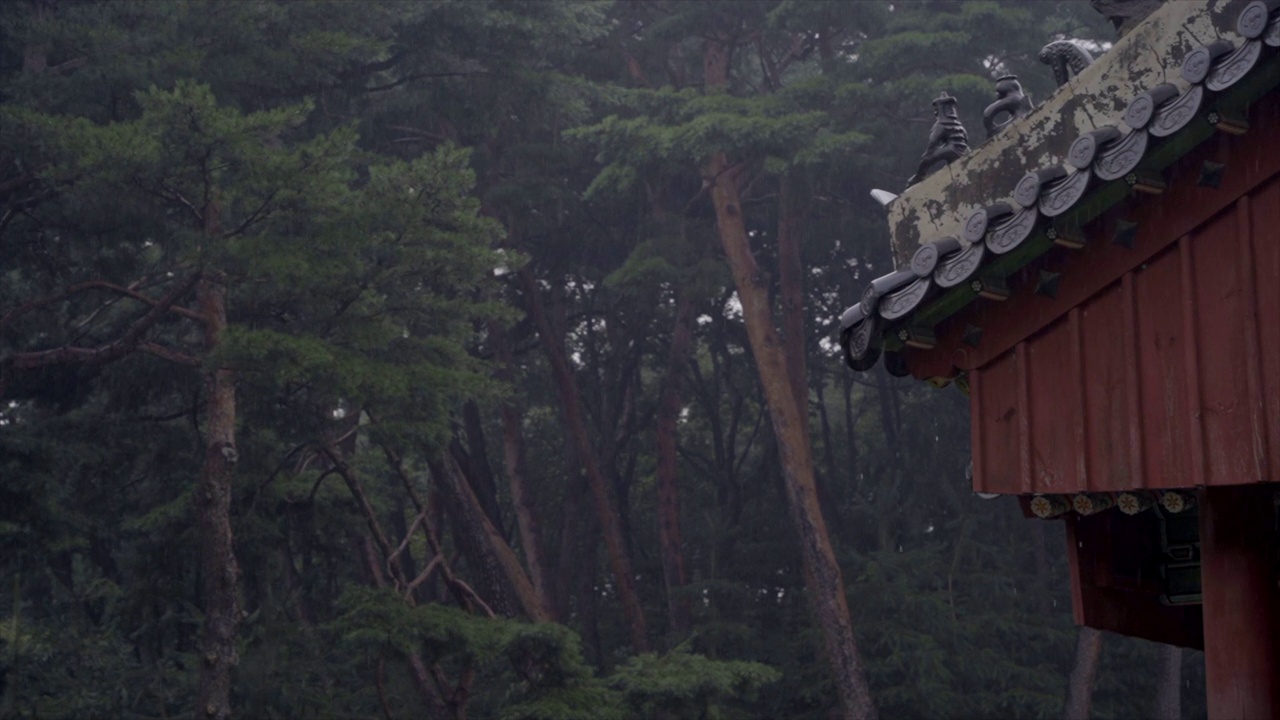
458	358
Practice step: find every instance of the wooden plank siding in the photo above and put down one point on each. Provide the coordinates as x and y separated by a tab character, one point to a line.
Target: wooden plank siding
1153	367
1155	373
1180	355
1264	212
1251	161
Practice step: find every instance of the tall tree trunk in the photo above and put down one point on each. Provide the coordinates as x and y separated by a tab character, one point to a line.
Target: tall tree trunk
575	533
576	530
1168	704
587	597
517	477
673	572
1080	687
822	573
791	280
219	572
298	610
575	420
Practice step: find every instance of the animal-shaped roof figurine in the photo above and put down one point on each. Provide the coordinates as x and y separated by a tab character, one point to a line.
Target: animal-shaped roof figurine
947	139
1066	58
1011	103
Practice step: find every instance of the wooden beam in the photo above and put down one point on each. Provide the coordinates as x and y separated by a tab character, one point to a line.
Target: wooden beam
1241	602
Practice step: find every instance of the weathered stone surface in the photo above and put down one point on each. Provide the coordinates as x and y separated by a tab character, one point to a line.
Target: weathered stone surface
1097	97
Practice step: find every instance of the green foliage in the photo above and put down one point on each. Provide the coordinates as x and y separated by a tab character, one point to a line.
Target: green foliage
542	664
372	619
688	685
364	178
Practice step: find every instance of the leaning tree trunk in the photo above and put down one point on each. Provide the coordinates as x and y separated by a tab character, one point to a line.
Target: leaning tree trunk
1080	687
517	477
822	574
473	456
576	422
495	564
219	572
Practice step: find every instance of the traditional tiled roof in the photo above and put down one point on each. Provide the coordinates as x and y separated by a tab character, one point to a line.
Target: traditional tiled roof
1013	227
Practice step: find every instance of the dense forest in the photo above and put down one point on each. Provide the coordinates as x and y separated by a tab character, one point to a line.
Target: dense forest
476	359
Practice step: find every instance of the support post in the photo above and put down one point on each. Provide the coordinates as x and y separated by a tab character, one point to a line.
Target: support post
1241	602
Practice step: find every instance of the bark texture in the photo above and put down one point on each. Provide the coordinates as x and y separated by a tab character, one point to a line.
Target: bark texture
219	572
791	280
822	574
1080	686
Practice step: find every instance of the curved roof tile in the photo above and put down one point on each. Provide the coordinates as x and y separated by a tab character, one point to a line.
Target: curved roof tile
901	308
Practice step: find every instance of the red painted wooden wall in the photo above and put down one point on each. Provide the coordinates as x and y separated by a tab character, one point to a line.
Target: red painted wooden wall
1161	360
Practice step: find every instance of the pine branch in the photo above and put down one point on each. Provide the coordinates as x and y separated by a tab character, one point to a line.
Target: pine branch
370	515
174	195
127	343
466	596
371	68
424	76
408	535
130	292
425	575
167	353
254	216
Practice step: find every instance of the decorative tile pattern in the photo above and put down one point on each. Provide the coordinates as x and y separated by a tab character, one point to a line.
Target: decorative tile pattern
946	274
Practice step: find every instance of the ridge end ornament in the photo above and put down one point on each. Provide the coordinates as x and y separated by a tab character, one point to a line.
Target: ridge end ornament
1011	102
1066	59
884	197
948	140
